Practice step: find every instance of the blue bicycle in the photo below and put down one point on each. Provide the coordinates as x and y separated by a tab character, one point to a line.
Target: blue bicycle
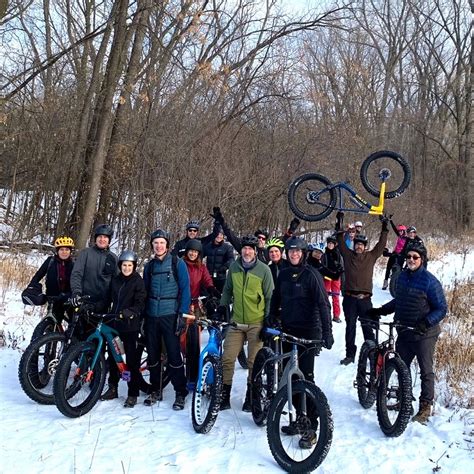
208	389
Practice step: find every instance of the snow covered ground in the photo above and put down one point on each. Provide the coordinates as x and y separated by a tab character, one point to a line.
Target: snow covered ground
37	439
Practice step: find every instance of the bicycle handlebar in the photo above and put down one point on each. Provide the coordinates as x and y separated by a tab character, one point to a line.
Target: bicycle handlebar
394	324
289	337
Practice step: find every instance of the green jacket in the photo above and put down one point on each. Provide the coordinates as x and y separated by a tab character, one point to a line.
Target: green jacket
249	292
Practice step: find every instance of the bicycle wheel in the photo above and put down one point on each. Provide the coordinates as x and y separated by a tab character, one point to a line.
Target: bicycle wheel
394	398
388	165
144	377
193	350
316	422
45	326
242	357
310	198
206	403
365	378
78	386
262	385
38	365
395	273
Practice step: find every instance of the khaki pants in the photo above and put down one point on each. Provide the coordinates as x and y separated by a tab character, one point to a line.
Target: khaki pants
233	343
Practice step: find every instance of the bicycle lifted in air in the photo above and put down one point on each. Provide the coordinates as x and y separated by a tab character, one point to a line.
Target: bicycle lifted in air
384	174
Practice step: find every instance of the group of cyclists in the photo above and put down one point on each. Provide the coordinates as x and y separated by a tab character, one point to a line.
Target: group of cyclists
281	280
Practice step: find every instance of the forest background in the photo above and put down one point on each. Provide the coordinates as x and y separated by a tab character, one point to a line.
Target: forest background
148	113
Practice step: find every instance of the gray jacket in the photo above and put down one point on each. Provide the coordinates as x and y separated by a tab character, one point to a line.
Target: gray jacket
92	273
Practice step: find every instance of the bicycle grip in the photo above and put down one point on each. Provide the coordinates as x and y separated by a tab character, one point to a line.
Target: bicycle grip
272	331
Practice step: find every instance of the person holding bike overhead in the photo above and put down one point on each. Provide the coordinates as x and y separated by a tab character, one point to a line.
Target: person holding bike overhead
168	298
57	269
419	303
93	270
192	231
359	268
127	300
248	288
401	232
300	303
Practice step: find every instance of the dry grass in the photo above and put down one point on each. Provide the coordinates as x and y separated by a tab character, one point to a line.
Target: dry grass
455	350
15	272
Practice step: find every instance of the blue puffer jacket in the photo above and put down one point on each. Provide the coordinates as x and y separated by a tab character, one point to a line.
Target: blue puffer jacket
166	296
419	296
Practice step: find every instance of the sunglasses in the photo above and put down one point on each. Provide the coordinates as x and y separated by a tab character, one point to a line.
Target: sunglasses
192	230
261	237
413	257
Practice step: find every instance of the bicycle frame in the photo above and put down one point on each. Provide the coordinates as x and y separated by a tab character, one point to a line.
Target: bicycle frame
363	206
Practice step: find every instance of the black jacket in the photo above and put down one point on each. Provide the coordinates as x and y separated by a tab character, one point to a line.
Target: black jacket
50	269
127	296
332	260
276	269
322	268
300	301
218	258
180	246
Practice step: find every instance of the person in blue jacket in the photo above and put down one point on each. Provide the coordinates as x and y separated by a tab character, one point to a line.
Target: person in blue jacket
168	297
419	303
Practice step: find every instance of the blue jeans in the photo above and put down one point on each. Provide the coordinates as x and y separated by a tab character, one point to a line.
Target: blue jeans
162	329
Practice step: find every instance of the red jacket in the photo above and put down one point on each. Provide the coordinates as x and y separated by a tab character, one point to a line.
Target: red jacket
199	277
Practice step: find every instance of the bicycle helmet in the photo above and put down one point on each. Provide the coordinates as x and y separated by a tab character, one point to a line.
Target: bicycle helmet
319	246
401	227
411	229
358	224
331	238
296	243
361	239
160	234
275	242
417	247
64	241
194	244
249	241
128	256
103	229
193	224
261	232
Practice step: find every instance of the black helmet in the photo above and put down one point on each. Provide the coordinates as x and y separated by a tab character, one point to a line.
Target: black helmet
160	233
194	244
411	229
261	232
249	241
104	229
418	247
331	238
128	256
296	243
361	239
193	224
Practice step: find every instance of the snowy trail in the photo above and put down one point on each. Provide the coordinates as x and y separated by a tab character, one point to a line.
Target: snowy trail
38	439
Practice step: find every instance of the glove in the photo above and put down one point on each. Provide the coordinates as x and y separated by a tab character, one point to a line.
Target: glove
127	314
422	326
217	215
328	341
294	225
221	313
210	306
180	324
386	252
339	221
385	220
63	297
213	292
373	314
75	301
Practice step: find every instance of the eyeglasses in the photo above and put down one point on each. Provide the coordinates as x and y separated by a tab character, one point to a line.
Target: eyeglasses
413	257
261	237
192	230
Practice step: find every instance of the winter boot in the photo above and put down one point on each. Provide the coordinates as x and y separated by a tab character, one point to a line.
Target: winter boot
424	413
308	440
247	407
337	319
385	285
179	402
225	397
130	402
110	394
347	360
152	399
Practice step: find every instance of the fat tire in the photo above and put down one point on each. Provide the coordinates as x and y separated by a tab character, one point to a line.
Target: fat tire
405	399
395	273
193	350
262	385
325	427
374	187
45	326
31	381
212	391
62	395
242	358
327	208
366	388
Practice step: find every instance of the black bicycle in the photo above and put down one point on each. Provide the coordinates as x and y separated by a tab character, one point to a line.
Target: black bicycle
382	376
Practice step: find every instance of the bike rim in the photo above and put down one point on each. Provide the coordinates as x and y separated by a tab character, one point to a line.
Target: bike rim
203	399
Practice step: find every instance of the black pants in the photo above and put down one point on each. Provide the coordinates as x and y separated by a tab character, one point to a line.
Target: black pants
355	308
409	346
395	257
130	345
158	329
219	284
